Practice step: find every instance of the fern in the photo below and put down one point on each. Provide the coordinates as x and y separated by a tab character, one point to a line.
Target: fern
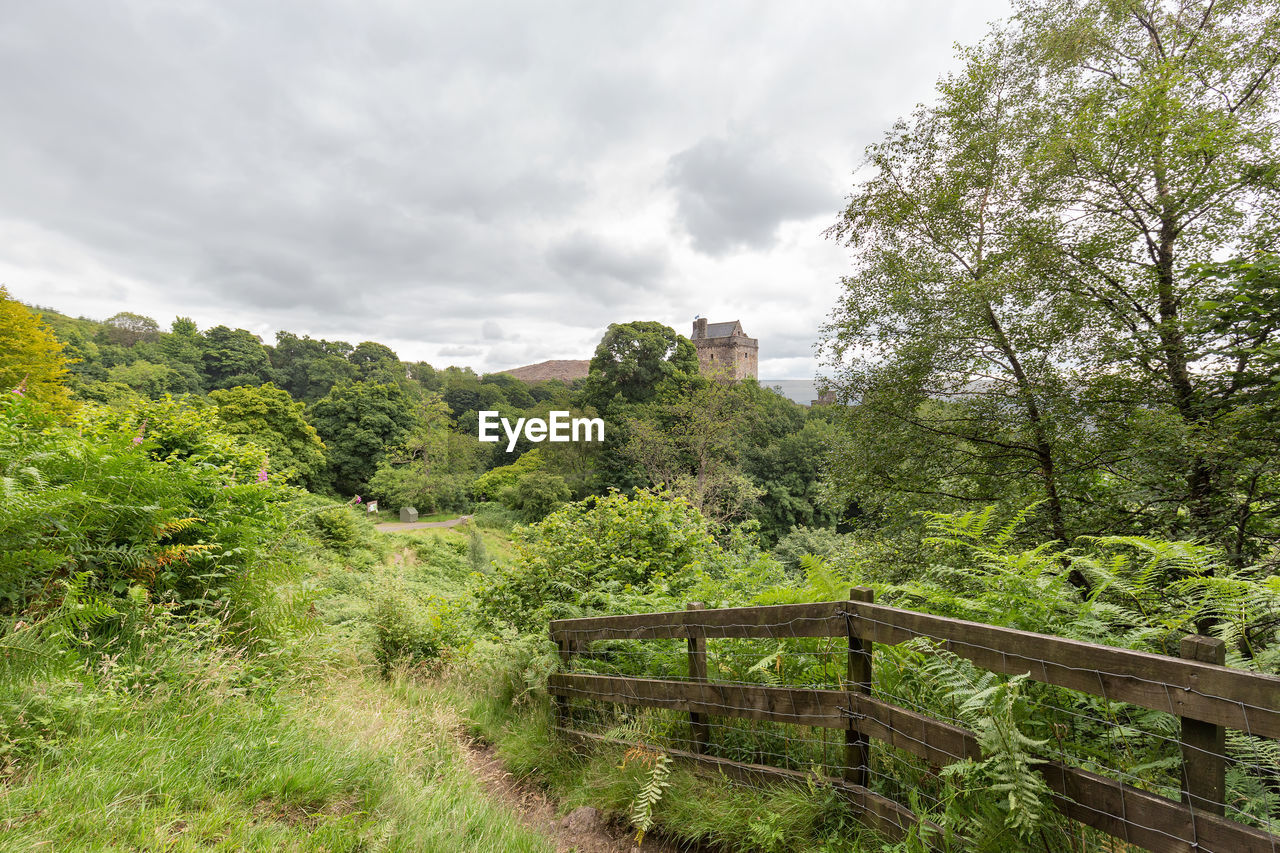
59	628
651	791
991	706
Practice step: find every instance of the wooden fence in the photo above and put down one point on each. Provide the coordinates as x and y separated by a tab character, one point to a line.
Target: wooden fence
1196	687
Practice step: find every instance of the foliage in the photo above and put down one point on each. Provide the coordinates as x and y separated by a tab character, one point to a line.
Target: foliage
492	483
633	361
32	362
1037	307
234	357
268	417
177	429
127	328
801	541
1002	791
358	422
534	494
600	555
689	447
432	466
100	507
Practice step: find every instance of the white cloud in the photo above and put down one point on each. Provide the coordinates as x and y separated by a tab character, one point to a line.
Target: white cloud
422	175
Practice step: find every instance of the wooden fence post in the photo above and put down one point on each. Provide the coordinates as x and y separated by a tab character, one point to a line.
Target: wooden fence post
857	746
698	672
568	648
1204	765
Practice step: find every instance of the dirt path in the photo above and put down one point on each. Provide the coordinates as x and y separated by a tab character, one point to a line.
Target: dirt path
584	830
396	526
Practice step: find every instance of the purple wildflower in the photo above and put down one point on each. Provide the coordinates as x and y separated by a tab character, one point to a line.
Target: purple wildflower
357	499
262	474
21	390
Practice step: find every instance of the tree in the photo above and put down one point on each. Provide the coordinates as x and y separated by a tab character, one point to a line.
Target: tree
1162	156
148	378
359	422
183	350
234	357
127	328
375	361
947	348
31	358
535	494
308	368
1027	319
268	416
598	555
432	467
689	446
634	360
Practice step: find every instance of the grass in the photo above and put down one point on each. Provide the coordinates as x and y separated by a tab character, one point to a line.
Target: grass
333	761
697	807
181	743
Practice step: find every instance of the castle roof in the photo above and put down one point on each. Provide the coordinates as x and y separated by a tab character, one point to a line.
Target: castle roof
723	330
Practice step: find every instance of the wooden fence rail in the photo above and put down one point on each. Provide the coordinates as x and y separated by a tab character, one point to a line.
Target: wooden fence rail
1206	695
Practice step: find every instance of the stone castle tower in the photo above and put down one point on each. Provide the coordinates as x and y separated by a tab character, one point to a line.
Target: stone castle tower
724	350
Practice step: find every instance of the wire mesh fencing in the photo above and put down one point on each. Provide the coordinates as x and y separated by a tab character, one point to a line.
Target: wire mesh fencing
899	710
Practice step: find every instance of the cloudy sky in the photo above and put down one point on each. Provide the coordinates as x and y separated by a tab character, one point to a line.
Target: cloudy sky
474	183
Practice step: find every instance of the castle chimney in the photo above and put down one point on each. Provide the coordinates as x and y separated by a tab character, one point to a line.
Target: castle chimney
699	328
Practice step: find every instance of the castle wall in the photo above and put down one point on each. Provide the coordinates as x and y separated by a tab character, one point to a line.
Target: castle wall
734	358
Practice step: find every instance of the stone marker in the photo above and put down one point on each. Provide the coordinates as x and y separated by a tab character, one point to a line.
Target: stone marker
408	513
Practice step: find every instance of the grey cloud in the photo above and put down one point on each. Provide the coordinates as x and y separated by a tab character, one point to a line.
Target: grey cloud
604	270
735	191
460	351
492	331
385	170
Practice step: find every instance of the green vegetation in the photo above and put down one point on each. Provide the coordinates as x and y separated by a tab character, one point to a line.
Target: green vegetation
1057	362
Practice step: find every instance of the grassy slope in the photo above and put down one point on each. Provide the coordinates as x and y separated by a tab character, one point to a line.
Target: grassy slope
332	762
185	746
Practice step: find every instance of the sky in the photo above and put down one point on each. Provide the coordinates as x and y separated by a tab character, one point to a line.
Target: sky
474	183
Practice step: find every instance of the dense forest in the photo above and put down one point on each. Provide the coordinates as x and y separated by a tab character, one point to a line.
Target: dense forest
346	420
1054	365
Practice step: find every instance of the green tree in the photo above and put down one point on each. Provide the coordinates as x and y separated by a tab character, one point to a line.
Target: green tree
376	362
690	447
127	329
359	422
148	378
599	556
949	349
634	360
536	493
1162	148
268	416
183	350
432	467
234	357
32	362
492	483
1027	317
308	368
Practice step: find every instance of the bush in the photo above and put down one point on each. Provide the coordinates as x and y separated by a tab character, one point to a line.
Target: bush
601	555
123	511
817	541
535	494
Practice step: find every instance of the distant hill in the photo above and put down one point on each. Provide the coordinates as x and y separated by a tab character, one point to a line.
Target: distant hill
565	370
